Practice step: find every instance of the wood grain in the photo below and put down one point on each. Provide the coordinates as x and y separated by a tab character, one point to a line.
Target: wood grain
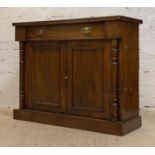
79	122
81	20
80	73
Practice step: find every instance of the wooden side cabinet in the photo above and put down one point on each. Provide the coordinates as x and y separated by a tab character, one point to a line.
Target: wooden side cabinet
80	73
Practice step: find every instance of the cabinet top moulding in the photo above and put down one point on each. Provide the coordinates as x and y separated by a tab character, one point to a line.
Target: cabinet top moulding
80	20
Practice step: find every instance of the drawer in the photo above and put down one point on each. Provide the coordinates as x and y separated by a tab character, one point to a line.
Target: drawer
73	31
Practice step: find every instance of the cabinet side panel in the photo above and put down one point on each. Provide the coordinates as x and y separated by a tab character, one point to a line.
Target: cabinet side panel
129	71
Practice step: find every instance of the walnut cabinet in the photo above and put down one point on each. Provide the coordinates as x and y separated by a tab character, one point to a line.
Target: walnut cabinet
80	73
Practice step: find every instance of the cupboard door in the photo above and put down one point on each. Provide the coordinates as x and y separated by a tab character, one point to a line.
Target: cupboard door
89	78
44	88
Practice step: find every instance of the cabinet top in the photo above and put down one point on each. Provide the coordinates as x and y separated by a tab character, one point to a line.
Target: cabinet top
80	20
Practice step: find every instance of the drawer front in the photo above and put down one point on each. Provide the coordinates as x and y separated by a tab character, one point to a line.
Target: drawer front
65	31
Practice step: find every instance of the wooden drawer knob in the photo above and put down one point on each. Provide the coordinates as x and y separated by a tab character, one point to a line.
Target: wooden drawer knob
66	77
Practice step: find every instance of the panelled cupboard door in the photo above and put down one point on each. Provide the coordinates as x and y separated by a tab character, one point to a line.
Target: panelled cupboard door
44	75
89	82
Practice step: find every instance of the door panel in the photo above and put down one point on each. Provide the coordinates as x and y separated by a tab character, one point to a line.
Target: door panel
89	75
46	82
44	64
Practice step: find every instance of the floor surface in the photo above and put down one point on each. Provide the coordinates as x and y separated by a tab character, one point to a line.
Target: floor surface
21	133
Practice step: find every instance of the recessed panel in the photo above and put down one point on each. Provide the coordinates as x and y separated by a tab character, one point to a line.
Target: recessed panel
45	70
88	78
46	75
